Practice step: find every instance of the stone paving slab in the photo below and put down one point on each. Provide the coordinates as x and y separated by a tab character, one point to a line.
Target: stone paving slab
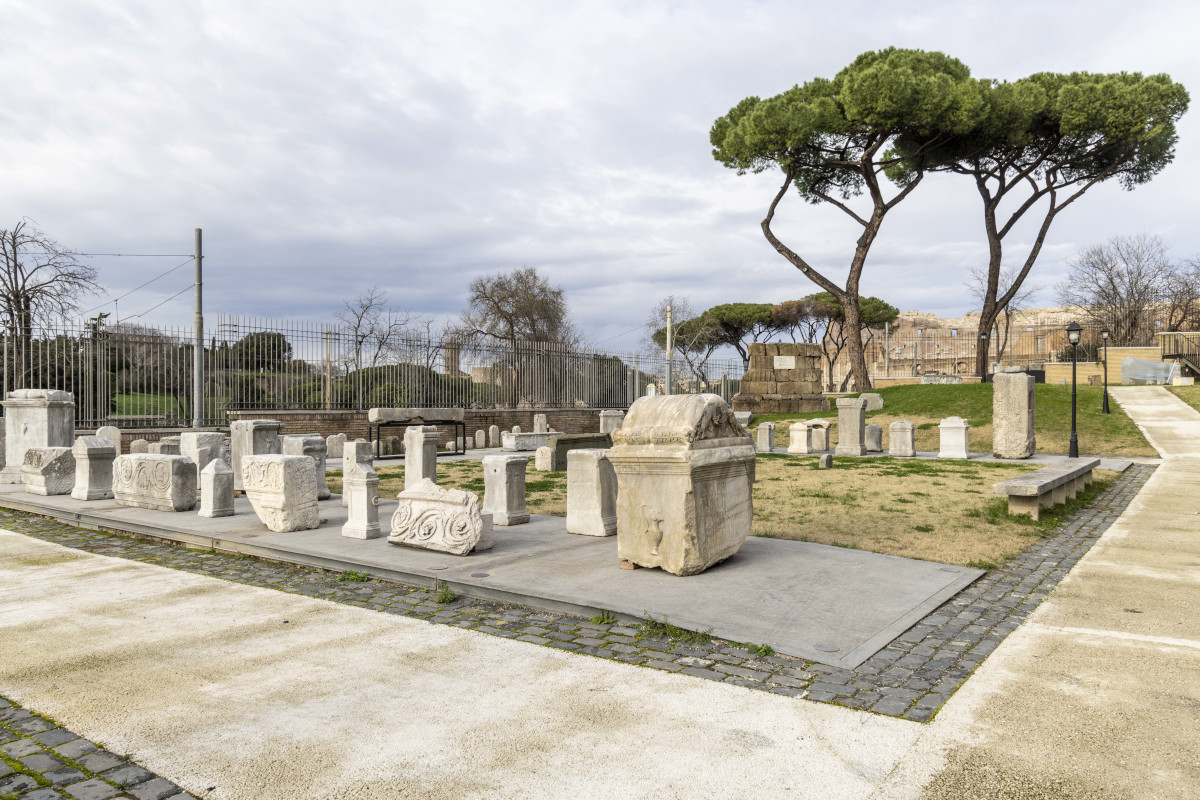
833	605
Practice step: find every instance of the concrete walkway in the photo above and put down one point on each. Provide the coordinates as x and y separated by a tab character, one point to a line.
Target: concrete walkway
1098	695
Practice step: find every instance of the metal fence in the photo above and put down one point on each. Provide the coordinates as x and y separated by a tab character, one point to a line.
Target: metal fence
137	376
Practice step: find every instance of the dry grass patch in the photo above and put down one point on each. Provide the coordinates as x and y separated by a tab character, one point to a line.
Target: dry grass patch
1188	394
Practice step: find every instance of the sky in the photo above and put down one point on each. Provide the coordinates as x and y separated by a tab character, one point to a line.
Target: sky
325	148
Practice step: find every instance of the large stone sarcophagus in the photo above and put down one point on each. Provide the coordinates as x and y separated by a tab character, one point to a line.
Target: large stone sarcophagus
685	472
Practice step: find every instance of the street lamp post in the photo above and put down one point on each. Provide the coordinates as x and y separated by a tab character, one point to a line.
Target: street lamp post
1104	334
1073	332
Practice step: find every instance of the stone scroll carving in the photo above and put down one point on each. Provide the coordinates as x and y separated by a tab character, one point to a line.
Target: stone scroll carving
436	518
158	482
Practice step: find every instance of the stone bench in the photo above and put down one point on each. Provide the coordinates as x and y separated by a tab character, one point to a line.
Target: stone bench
1047	486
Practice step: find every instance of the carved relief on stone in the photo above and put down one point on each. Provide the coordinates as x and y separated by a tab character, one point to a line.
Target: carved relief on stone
158	482
436	518
282	490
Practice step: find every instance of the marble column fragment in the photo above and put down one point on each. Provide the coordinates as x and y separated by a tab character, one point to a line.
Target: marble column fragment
852	423
420	454
504	489
480	439
94	456
216	489
540	425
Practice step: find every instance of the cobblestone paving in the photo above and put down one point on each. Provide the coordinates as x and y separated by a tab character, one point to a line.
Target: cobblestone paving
911	678
41	761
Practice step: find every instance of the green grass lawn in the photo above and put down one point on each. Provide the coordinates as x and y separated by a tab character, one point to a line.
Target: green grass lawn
141	404
925	406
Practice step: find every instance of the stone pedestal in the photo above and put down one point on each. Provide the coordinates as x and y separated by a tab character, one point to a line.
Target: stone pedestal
540	425
591	493
357	452
313	446
94	456
782	378
447	520
1013	415
765	442
955	438
202	448
852	423
611	420
283	491
798	438
420	454
543	459
874	439
49	470
493	436
252	437
902	440
34	418
216	489
113	434
685	470
154	481
360	487
818	435
504	489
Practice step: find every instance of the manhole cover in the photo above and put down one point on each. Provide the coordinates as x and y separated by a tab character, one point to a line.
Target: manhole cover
479	574
827	648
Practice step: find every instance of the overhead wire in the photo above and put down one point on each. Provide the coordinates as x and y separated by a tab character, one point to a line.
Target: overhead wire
619	335
111	299
169	299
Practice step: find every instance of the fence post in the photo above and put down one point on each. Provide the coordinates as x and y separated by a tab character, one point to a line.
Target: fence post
198	334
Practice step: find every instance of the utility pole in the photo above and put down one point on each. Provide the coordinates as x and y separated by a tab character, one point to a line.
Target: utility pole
670	349
198	346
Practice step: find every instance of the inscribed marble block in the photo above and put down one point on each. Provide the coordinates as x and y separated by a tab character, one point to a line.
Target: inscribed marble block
685	471
435	518
201	448
94	456
798	441
591	493
543	459
540	425
139	446
34	418
313	446
113	434
335	445
902	439
480	439
1013	415
493	436
955	438
874	438
356	452
155	481
818	435
766	437
420	454
360	487
216	489
49	470
874	401
852	423
744	418
610	420
504	489
283	491
524	442
252	437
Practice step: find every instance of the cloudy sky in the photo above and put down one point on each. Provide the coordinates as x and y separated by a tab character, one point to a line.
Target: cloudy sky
328	147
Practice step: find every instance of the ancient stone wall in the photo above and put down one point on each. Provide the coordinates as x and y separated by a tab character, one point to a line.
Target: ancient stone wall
782	378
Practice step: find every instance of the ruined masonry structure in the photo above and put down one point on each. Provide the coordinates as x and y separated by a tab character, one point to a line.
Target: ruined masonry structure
35	418
1013	415
685	471
782	378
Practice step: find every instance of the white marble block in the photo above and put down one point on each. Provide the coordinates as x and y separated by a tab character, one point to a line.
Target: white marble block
49	470
283	491
420	454
313	446
139	446
435	518
611	420
34	418
113	434
201	448
685	471
493	436
252	437
335	445
852	423
154	481
94	456
356	452
591	493
955	438
798	442
480	439
167	446
874	401
543	459
504	489
765	434
524	442
216	489
1013	415
540	425
902	442
360	487
874	438
818	435
516	428
744	418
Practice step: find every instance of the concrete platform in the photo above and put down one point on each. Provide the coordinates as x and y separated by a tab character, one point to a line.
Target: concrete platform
829	604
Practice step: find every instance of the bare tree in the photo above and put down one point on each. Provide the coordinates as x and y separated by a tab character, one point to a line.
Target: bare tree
1182	297
694	336
1120	283
375	328
1019	300
520	305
